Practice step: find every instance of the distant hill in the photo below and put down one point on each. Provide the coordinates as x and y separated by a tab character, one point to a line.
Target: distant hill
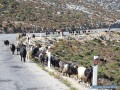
42	14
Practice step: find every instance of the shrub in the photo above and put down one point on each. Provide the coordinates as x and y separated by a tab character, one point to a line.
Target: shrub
97	40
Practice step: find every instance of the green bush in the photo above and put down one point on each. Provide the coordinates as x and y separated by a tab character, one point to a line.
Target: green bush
97	40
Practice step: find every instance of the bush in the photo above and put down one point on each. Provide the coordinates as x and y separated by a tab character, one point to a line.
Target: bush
97	40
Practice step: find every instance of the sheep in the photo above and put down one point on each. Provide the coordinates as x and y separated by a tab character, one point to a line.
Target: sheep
85	74
69	69
81	75
6	42
65	69
28	56
18	43
12	48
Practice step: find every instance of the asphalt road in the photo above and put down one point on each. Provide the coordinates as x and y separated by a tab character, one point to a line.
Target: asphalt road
17	75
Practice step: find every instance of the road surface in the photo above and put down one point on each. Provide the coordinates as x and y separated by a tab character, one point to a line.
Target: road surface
17	75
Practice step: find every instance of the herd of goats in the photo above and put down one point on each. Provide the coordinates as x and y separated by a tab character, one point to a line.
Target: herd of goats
83	74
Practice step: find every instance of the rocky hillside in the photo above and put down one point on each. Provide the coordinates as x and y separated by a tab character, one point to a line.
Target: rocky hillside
96	9
41	14
83	51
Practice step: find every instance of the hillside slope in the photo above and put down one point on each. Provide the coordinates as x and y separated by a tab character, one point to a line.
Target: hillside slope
42	14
